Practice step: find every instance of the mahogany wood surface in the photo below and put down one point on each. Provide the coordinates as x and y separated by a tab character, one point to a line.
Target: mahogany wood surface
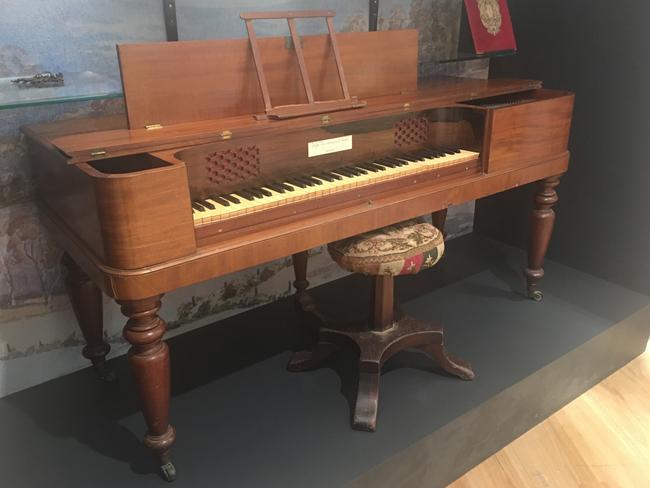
189	81
529	131
382	313
149	362
118	199
87	304
376	341
542	220
140	228
216	257
118	140
438	219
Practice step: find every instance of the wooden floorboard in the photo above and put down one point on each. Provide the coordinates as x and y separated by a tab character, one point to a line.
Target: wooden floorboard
601	439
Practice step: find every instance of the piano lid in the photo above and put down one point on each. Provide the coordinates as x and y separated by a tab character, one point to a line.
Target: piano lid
117	140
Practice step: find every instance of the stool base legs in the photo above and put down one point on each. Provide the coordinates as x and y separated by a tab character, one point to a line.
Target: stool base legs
374	349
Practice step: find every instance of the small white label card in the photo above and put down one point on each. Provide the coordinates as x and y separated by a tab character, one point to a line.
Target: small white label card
328	146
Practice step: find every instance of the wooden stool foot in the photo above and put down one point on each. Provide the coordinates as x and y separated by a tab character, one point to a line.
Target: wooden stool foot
451	364
365	410
374	349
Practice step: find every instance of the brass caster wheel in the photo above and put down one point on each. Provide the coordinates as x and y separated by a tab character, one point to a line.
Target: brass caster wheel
168	472
537	296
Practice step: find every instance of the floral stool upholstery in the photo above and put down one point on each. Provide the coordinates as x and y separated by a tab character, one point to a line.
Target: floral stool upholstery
404	248
399	249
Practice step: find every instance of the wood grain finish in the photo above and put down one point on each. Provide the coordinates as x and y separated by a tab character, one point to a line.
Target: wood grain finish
375	346
149	362
529	131
116	140
542	220
292	235
216	78
598	440
118	200
140	228
87	304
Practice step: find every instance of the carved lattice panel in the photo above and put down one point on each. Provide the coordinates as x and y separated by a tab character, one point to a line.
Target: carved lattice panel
233	165
411	131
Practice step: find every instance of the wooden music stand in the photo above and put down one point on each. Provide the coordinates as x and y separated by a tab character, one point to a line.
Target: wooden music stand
313	106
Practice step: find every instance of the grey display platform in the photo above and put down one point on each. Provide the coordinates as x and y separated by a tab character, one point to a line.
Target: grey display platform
243	421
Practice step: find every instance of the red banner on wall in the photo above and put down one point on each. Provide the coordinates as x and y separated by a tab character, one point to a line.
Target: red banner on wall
491	26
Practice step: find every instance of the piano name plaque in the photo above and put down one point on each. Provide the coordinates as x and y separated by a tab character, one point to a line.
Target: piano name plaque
329	146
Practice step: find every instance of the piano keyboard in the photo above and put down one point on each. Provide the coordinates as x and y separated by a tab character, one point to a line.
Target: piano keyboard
307	186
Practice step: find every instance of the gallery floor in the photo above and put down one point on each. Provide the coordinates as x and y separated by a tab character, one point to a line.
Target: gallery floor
243	421
599	439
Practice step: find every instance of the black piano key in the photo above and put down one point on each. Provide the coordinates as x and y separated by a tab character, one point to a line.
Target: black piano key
244	194
314	180
398	162
432	153
221	201
336	176
447	150
368	167
207	204
305	181
265	192
256	192
198	206
377	165
296	182
276	187
325	177
229	198
285	186
408	157
386	163
355	171
344	172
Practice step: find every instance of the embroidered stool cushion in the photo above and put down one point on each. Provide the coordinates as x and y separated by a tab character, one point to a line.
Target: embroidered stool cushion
399	249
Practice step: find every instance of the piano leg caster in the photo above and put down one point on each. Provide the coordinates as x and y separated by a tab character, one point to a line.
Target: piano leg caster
105	373
168	472
536	295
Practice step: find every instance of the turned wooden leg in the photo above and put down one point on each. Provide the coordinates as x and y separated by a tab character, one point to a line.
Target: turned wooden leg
86	299
301	284
310	353
438	220
149	362
542	219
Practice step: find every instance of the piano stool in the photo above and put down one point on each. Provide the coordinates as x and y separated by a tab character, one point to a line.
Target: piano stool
400	249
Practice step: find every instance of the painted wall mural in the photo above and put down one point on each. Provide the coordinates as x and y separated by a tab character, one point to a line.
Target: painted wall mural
39	339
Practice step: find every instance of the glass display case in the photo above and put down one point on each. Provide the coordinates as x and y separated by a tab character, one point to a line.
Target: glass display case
76	87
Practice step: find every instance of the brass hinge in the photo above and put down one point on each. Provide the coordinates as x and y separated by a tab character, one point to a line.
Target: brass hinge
407	107
97	153
153	126
226	134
